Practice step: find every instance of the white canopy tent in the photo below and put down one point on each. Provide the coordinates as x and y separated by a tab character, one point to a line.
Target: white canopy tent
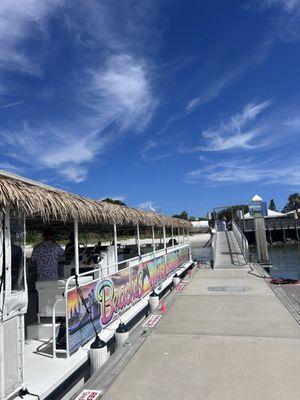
271	214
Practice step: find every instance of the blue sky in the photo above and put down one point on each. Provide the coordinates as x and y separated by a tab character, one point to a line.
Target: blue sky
185	105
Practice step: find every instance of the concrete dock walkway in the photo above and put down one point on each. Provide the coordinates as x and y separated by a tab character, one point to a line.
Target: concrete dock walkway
226	337
228	253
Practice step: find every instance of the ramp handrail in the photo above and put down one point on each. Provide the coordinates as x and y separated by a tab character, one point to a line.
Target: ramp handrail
214	246
242	240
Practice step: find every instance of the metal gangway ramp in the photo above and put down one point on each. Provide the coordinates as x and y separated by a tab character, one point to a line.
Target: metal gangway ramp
230	249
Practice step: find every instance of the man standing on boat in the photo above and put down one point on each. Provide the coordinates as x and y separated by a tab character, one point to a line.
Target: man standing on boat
45	256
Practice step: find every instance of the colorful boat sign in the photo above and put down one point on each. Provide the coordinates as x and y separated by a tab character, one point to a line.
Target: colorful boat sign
108	298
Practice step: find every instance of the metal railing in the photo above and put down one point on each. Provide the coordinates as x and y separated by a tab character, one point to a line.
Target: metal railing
242	240
54	349
103	273
271	224
214	245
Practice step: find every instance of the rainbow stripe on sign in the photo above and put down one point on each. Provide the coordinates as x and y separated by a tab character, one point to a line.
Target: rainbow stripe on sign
110	297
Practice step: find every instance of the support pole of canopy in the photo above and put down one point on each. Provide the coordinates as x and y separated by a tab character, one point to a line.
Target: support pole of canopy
165	244
116	244
2	264
7	252
76	252
178	235
172	235
138	239
153	239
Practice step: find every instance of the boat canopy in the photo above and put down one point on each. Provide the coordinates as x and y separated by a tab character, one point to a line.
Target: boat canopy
35	199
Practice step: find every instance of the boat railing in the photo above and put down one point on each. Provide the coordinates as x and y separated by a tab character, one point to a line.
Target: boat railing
103	273
241	239
54	349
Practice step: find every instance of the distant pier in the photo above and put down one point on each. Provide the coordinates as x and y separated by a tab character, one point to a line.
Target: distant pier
277	230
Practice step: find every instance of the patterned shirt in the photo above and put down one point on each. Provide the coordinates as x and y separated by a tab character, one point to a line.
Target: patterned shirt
46	255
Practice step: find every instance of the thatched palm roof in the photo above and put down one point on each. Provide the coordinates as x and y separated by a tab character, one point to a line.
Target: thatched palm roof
36	199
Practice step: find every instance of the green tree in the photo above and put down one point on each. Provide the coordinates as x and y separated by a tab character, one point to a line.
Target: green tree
293	203
232	211
272	205
112	201
182	215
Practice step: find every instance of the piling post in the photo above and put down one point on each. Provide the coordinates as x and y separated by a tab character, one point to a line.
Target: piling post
283	233
258	210
270	236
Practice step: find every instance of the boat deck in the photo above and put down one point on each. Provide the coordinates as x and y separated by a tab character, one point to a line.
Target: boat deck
44	374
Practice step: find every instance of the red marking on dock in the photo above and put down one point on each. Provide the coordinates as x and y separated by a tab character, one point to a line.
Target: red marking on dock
89	395
152	321
163	307
181	286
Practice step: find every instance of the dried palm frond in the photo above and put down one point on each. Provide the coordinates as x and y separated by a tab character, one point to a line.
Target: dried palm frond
35	199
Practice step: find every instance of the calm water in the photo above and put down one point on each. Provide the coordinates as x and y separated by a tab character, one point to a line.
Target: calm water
198	251
286	261
285	258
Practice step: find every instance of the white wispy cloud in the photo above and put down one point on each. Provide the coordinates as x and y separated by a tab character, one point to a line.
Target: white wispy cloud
237	131
126	27
288	5
60	148
117	94
14	104
114	92
20	20
150	152
212	91
286	19
239	171
121	92
147	205
150	145
10	167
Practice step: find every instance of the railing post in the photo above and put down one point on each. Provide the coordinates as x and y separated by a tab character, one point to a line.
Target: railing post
7	248
116	244
153	239
165	244
164	234
76	244
138	239
2	264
